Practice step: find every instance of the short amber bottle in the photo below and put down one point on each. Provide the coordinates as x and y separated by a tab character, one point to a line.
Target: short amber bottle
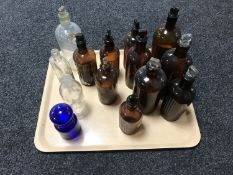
137	57
85	61
165	36
110	52
176	61
130	116
106	80
130	39
149	81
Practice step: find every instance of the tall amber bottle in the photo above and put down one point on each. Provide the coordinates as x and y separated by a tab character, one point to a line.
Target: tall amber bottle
130	39
130	116
165	36
149	81
176	61
137	57
106	80
110	52
85	61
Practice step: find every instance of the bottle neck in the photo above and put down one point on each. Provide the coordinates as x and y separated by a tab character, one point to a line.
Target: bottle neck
131	108
140	47
64	20
181	52
82	49
151	73
171	23
109	46
185	85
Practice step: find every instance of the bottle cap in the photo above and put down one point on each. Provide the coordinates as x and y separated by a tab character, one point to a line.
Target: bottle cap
80	40
108	37
173	13
185	40
136	26
142	36
153	64
132	100
191	73
63	15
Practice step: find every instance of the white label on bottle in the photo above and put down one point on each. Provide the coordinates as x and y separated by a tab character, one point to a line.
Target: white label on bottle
129	127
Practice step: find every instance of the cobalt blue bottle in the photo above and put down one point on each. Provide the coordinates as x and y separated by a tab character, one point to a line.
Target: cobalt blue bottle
65	121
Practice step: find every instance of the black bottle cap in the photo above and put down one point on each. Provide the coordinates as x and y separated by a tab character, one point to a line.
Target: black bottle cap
173	13
142	36
153	64
80	40
135	27
105	65
191	73
108	37
132	101
185	40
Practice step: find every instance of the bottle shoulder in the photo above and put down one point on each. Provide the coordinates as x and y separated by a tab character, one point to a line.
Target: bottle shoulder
133	55
130	115
71	28
89	56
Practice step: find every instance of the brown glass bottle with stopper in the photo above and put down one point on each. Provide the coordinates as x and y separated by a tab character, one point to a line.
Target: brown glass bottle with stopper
130	116
110	52
106	79
85	61
149	81
137	57
165	36
180	94
130	39
176	61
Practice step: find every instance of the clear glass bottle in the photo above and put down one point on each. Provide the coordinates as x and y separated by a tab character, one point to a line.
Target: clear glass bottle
149	81
65	121
66	31
106	79
110	52
130	39
130	116
176	61
180	94
165	36
85	61
137	57
71	92
59	64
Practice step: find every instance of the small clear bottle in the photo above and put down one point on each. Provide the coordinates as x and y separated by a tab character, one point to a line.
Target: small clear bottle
85	61
130	39
149	81
180	94
65	32
165	36
110	52
137	57
71	92
130	116
106	79
65	121
59	64
176	61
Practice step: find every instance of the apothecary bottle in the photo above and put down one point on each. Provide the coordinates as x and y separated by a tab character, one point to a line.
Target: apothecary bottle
66	31
85	61
59	64
110	52
165	36
137	57
130	39
130	116
65	121
176	61
106	79
149	81
179	96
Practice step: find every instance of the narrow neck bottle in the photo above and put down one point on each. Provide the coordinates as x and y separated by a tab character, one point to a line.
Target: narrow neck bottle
171	23
181	52
63	16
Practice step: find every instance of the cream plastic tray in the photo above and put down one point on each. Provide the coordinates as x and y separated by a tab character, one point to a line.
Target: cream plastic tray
100	129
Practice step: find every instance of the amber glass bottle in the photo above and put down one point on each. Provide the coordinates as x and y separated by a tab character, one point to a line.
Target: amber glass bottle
130	39
165	36
130	116
176	61
110	52
85	60
137	57
149	81
180	94
106	80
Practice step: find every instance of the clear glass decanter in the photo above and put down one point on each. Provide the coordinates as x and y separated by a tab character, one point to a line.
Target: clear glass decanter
65	32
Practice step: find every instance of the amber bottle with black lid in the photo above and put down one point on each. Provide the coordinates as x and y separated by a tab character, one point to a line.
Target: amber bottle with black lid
106	79
130	39
176	61
85	61
137	57
149	81
130	116
165	36
180	94
110	52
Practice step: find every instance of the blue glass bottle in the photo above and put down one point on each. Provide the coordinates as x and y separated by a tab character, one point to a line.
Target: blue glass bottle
65	121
